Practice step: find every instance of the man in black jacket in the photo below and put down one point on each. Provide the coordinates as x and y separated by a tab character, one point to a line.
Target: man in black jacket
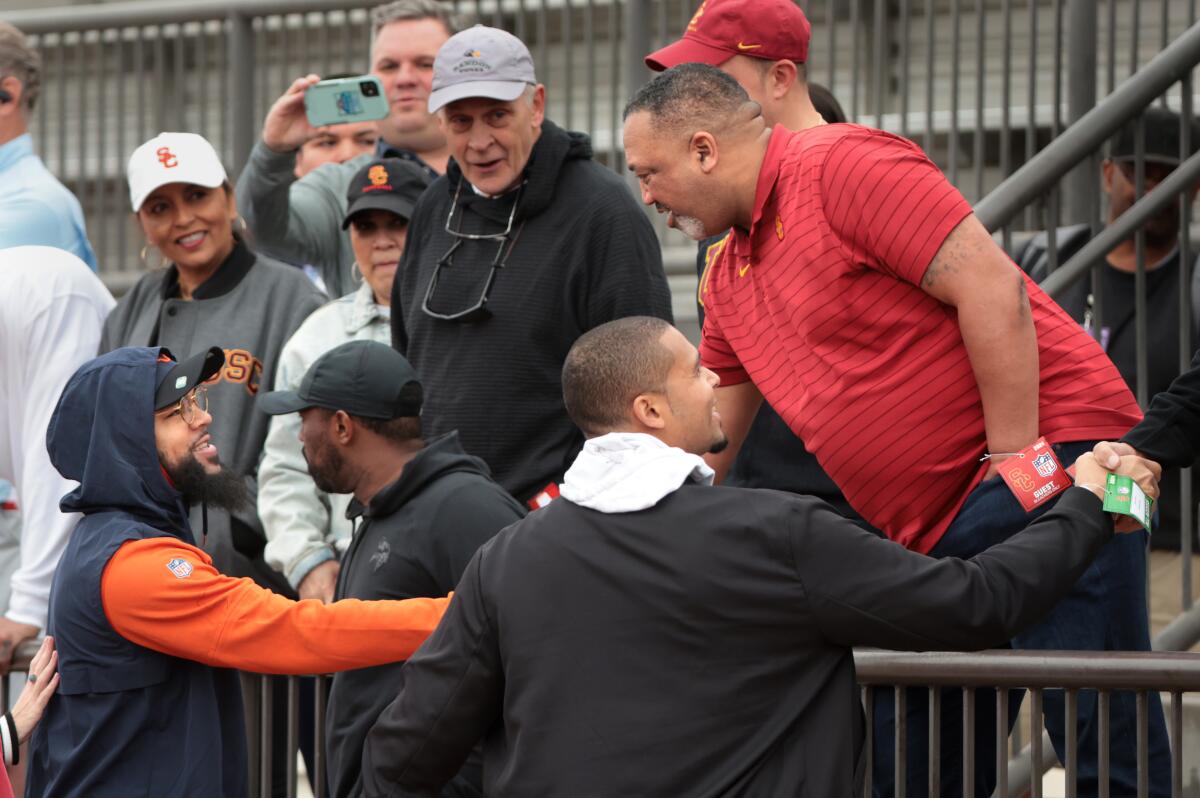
522	246
649	634
424	508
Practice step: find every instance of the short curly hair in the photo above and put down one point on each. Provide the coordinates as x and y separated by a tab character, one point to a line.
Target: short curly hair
609	366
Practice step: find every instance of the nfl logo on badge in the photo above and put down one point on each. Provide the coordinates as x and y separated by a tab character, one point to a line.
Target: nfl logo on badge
180	567
1045	465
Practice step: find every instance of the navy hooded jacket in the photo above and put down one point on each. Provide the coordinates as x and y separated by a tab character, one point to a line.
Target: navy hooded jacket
126	721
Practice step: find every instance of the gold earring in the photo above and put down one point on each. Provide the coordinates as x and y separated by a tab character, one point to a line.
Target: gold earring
162	261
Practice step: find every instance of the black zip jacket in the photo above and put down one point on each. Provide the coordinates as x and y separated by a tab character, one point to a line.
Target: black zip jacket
1170	432
416	537
698	648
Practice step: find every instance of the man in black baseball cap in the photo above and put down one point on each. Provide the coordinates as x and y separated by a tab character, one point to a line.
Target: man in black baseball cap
424	507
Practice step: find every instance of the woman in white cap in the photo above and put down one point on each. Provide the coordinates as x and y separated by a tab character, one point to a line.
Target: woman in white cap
211	289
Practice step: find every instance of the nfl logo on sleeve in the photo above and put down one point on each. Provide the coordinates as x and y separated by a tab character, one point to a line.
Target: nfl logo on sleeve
180	567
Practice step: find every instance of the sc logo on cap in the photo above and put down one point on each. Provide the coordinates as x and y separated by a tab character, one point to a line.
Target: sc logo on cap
166	157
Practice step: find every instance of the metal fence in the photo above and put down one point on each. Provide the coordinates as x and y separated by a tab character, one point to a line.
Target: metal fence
981	84
1070	671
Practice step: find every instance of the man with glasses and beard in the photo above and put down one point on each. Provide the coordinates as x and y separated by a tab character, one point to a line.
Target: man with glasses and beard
522	246
149	635
421	509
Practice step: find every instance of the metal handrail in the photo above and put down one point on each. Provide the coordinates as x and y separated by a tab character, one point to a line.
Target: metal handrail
1181	178
1083	138
1164	671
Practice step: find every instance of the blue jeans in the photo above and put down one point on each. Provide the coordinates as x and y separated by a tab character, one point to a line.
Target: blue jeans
1105	611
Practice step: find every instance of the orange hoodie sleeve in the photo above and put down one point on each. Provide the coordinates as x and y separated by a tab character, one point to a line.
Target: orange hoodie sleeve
164	594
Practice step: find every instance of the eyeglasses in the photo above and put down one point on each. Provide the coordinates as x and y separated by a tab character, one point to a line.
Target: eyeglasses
479	310
191	405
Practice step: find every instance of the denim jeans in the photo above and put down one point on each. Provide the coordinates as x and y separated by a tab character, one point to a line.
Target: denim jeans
1105	611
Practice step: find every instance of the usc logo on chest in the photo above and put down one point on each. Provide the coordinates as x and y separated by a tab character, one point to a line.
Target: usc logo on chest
241	367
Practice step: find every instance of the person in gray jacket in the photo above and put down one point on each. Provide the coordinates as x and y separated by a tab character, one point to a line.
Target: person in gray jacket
649	634
298	221
214	291
423	508
307	529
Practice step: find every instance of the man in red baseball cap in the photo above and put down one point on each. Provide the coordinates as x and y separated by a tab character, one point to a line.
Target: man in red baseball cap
762	44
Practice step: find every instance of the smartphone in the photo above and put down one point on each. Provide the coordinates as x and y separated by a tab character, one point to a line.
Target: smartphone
344	100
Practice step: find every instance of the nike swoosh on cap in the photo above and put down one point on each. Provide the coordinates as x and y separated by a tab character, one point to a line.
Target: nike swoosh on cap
742	46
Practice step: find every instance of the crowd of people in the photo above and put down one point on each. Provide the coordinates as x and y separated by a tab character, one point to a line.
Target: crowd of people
407	406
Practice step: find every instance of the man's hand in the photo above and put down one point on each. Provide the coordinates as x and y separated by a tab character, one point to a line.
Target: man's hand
1146	473
320	582
12	634
1109	453
286	127
43	680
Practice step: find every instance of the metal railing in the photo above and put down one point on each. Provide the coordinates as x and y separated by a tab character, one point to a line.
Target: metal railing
981	84
1070	671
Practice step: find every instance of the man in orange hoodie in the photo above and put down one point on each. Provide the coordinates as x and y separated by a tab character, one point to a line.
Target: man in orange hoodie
147	630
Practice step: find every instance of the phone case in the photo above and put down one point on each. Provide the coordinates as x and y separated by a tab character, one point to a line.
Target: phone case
345	100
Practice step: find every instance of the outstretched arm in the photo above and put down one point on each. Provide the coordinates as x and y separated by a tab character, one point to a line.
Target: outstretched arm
165	595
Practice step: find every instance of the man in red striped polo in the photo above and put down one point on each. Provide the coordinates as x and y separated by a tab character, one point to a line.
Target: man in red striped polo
862	298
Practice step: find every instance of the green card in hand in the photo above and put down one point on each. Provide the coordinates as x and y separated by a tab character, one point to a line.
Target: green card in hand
1124	496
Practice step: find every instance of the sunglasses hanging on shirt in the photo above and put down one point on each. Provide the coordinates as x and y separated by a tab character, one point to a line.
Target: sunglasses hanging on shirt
479	310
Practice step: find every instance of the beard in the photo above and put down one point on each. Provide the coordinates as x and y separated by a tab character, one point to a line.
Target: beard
326	469
691	227
223	489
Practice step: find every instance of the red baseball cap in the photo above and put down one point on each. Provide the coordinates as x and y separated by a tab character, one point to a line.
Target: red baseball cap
720	29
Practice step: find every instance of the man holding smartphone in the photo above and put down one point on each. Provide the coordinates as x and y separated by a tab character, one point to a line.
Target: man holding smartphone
300	221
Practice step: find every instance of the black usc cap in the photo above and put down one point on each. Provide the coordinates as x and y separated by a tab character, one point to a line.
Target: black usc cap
176	379
389	184
363	378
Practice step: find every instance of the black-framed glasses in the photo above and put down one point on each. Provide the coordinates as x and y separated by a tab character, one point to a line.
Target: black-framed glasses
478	310
191	404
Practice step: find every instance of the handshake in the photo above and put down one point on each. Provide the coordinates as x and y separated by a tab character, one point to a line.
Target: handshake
1092	469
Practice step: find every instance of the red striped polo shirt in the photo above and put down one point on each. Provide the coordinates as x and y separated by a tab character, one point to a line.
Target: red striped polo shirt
820	305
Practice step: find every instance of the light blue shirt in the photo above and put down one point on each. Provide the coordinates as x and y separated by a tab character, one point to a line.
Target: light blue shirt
35	208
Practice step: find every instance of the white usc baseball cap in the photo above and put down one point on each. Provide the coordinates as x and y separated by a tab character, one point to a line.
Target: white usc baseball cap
172	158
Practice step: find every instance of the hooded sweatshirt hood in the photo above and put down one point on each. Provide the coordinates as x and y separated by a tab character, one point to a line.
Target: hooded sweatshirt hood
623	472
553	148
441	456
102	436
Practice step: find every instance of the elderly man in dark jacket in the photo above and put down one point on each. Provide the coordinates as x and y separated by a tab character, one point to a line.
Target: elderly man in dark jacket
649	634
522	246
423	507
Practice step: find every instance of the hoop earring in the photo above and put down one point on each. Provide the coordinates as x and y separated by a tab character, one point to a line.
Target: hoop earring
242	221
162	261
356	273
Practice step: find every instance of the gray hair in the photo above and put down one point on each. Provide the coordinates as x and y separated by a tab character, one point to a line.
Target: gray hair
19	60
404	10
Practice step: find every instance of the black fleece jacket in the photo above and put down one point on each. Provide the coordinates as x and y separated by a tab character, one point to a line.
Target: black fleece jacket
699	648
582	253
416	537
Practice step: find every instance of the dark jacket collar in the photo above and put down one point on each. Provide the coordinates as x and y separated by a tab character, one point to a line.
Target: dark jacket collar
441	456
551	151
224	279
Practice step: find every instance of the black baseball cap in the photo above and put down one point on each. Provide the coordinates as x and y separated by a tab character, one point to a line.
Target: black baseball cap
1162	138
176	379
364	378
389	184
